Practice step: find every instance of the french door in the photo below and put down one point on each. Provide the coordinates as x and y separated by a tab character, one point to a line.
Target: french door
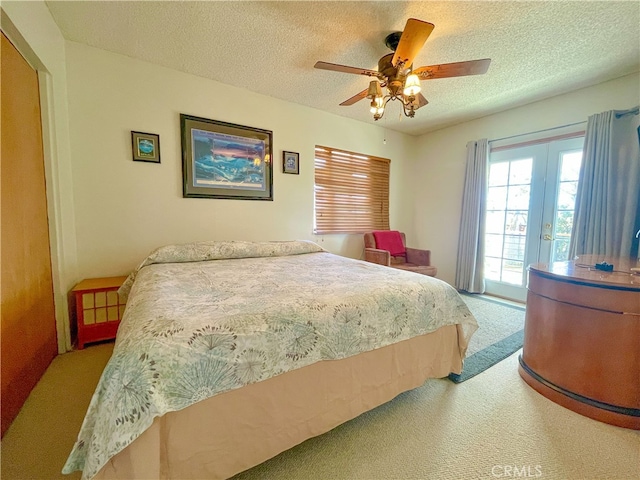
529	216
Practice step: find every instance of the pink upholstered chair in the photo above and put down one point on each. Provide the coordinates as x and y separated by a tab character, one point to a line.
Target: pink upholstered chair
413	259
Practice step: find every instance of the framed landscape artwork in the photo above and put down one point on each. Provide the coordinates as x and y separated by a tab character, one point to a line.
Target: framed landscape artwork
225	160
146	147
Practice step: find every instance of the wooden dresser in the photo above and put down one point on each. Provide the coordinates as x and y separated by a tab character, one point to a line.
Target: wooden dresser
582	338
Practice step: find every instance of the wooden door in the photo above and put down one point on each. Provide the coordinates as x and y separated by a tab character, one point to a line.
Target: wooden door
28	327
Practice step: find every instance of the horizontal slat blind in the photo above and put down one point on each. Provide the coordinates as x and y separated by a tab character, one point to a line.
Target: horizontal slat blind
351	192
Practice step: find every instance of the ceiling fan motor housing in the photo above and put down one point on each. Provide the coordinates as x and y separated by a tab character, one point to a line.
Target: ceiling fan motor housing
395	77
392	40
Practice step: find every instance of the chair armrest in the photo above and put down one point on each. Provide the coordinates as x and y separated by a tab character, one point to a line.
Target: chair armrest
419	257
375	255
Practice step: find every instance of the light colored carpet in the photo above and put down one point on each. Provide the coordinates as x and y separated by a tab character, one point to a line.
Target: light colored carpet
500	333
496	320
481	428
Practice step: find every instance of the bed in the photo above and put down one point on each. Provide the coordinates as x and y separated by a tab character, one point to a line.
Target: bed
232	352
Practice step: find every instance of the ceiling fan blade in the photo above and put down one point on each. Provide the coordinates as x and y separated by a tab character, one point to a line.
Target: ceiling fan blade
412	40
356	98
458	69
345	69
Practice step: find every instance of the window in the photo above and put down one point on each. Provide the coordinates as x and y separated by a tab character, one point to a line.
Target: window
351	192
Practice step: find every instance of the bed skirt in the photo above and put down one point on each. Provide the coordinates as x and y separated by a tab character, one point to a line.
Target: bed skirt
234	431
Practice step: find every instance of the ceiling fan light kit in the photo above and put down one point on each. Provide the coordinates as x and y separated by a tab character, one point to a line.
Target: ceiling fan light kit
411	86
396	73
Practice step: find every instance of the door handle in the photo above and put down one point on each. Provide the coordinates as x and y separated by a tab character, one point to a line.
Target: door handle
546	236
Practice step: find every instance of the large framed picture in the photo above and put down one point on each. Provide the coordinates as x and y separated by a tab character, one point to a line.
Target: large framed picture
225	160
145	147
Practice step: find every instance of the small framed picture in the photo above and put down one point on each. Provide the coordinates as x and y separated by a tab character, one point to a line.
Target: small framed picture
291	162
146	147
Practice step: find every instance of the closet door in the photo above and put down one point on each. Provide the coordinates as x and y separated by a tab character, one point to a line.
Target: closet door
28	328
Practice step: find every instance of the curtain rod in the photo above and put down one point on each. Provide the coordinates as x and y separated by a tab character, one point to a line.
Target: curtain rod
537	131
631	111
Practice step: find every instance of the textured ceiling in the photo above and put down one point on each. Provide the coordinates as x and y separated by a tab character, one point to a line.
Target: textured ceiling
538	49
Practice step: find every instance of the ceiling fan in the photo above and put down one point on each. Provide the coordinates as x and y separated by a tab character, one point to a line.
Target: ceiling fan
396	72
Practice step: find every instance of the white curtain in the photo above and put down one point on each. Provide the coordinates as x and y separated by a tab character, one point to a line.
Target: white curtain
607	197
470	267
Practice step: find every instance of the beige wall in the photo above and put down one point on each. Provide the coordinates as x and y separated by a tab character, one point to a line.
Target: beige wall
107	212
440	158
124	209
31	29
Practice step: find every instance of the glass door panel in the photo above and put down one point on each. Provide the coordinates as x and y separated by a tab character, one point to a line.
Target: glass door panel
569	171
507	218
530	204
563	170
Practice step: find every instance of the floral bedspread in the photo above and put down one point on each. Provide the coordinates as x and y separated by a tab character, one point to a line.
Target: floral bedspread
206	318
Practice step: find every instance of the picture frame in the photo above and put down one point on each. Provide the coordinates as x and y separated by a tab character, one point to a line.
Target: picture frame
291	162
145	147
225	160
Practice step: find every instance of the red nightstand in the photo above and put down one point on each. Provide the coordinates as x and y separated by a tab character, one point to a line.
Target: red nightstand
98	309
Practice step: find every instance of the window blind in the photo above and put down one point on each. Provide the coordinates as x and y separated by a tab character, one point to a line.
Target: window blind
351	192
